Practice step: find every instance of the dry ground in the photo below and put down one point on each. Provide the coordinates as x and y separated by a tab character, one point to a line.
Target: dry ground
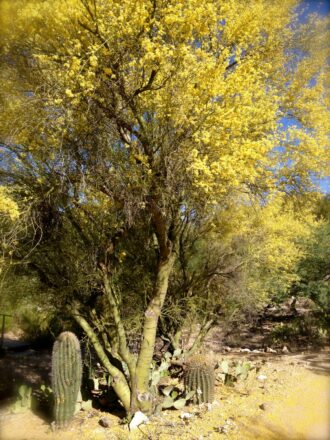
292	403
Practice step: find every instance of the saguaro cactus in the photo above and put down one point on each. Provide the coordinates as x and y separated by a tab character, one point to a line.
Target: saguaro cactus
66	376
199	377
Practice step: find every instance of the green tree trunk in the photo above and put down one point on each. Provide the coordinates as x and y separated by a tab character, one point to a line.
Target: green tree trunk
141	397
119	382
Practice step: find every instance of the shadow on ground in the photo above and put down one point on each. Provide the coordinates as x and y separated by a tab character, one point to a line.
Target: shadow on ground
29	367
318	363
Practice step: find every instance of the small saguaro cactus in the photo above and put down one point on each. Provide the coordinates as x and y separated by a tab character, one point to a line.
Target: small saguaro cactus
66	376
199	377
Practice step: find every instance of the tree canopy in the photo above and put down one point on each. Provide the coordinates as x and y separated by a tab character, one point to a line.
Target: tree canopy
138	132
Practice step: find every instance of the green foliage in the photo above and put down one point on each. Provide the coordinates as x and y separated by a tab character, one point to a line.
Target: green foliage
230	372
285	332
66	376
162	370
31	303
24	399
43	401
312	326
169	396
314	268
199	378
174	398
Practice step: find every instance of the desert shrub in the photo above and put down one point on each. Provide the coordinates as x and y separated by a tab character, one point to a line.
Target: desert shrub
303	327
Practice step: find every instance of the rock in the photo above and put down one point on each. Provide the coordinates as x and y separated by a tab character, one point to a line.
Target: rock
210	406
186	415
270	350
105	422
261	377
245	350
227	426
256	351
227	348
285	349
137	420
266	406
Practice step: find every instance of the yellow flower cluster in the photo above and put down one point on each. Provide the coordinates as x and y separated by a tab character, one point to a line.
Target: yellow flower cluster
8	206
216	76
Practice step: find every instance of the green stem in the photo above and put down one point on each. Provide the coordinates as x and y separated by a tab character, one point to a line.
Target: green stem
149	333
119	382
205	328
123	349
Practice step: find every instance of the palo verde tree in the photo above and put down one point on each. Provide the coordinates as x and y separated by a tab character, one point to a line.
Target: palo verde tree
129	116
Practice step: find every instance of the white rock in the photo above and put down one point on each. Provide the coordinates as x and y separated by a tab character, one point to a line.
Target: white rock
285	349
261	377
270	350
245	350
137	420
186	415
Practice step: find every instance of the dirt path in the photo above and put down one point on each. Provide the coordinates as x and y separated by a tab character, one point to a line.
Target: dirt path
292	403
301	414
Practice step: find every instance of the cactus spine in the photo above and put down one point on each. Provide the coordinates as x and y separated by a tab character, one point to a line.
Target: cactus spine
66	376
199	377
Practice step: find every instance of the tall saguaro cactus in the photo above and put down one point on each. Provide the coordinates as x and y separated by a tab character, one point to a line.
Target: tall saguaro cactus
66	376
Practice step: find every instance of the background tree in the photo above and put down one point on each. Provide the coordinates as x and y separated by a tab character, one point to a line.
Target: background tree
313	269
132	117
232	266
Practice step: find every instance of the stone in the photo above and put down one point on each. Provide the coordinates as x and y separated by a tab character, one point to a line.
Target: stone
186	415
105	422
137	420
227	426
261	377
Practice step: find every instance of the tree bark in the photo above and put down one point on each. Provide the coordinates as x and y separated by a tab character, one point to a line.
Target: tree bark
119	382
205	328
142	397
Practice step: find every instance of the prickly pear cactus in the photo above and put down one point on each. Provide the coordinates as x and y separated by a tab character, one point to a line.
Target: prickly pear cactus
199	377
66	376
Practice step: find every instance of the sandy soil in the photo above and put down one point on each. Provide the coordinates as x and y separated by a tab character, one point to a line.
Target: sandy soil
292	403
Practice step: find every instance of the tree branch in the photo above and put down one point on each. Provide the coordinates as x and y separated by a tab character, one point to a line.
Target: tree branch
148	85
119	382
